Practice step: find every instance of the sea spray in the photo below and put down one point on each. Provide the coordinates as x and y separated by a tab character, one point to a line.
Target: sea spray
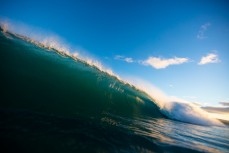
176	108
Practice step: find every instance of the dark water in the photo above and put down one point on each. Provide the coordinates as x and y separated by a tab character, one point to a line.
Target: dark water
51	103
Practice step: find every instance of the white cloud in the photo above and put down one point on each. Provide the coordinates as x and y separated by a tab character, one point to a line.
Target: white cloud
129	60
210	58
123	58
202	30
160	63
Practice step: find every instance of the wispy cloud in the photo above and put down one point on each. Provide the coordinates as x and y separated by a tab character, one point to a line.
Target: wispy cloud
223	109
160	63
123	58
210	58
118	57
129	60
217	109
224	103
202	30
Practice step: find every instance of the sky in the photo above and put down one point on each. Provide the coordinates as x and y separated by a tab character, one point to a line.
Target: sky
181	47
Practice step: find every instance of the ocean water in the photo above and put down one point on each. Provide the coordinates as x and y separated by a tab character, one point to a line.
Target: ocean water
54	103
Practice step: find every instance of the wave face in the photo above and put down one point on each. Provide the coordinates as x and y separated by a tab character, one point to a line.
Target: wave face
55	101
44	80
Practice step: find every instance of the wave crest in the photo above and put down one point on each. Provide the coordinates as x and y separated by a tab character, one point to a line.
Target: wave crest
177	110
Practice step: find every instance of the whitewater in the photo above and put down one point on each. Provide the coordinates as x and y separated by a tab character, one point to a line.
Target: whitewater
49	85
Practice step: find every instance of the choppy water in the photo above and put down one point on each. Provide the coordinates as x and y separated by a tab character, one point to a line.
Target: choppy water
52	103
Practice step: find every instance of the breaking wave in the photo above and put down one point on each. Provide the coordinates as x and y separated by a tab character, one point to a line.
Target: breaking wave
142	94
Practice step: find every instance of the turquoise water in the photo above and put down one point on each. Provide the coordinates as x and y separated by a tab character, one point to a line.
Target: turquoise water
53	103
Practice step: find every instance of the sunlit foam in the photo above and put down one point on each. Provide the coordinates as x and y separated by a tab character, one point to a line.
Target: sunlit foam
175	108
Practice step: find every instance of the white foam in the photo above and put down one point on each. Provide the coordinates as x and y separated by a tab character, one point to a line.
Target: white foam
176	108
187	112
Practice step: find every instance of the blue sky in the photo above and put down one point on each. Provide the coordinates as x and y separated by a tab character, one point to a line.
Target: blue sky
161	42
